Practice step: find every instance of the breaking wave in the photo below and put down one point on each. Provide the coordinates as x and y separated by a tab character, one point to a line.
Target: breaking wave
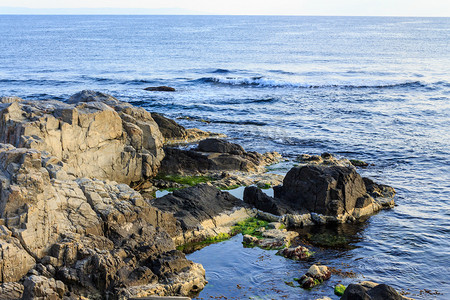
266	82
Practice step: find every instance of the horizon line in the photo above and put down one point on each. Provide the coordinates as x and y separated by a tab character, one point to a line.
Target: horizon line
168	11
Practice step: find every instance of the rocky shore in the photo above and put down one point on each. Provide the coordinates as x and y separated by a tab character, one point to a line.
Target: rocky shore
79	219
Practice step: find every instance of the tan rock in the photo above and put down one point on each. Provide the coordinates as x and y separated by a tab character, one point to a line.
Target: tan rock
104	139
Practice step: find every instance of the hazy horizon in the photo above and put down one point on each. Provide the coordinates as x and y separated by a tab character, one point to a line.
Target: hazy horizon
389	8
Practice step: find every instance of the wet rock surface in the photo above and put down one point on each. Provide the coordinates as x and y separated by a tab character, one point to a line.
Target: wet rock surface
295	253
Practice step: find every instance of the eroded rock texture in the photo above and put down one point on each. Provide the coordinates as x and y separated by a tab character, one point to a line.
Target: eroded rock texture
61	235
94	134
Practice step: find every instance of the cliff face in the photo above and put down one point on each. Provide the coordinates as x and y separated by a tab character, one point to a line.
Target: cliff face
94	134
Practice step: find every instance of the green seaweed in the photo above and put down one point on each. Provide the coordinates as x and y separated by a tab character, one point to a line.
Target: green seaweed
194	246
339	290
250	226
186	180
231	187
265	186
329	240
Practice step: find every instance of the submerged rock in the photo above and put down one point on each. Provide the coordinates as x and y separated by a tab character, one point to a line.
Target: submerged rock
162	88
315	194
271	239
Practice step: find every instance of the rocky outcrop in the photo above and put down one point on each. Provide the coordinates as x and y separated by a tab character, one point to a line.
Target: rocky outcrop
83	237
202	212
314	194
215	155
94	134
371	291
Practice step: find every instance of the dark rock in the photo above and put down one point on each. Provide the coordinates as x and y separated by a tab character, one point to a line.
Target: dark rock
170	262
371	291
324	190
257	198
178	161
169	128
378	190
384	292
326	155
193	205
358	163
355	292
220	146
162	88
297	253
319	194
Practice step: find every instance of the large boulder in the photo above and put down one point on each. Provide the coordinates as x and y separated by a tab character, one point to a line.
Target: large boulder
321	194
97	238
323	190
94	134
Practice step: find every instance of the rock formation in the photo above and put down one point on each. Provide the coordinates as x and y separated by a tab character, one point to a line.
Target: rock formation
83	237
94	134
202	212
71	226
215	155
314	194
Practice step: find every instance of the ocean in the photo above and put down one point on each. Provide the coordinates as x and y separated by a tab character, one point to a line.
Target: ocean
370	88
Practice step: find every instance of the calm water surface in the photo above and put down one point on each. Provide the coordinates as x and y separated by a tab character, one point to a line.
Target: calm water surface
376	89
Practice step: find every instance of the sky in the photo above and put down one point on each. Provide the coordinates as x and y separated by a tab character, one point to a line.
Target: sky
432	8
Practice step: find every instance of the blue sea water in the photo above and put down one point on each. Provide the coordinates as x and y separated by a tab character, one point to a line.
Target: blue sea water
370	88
